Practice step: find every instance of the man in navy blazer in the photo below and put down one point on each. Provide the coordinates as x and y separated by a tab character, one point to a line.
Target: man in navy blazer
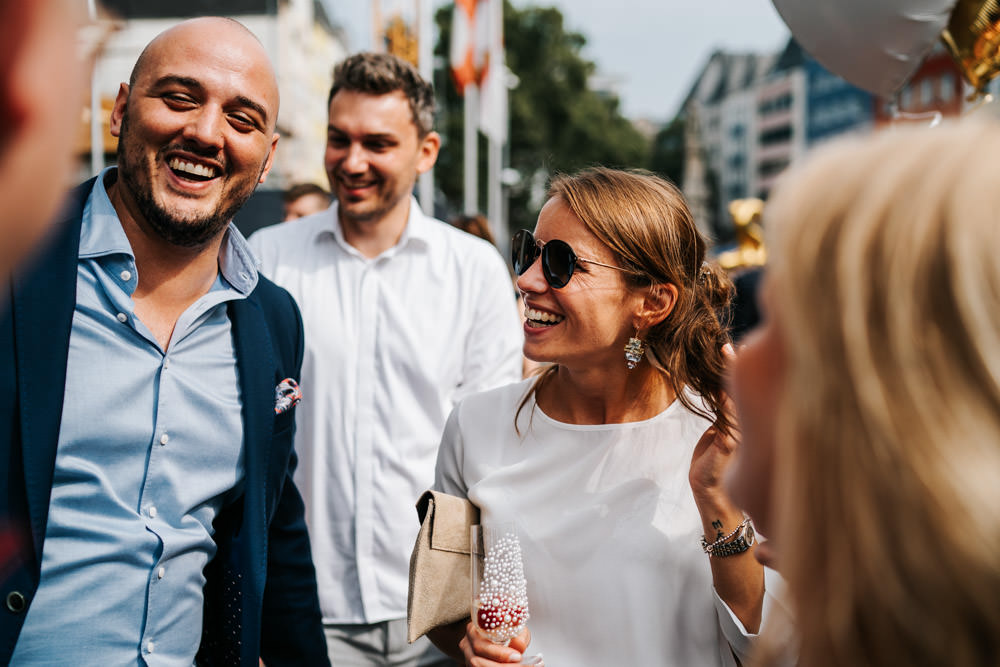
147	392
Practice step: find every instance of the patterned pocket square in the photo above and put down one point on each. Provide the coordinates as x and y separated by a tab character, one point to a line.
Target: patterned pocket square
286	395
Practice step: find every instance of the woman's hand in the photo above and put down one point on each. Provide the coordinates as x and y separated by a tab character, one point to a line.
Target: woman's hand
481	652
712	457
738	578
714	453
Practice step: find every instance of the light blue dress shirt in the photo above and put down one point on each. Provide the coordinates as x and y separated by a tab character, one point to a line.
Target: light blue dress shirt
150	449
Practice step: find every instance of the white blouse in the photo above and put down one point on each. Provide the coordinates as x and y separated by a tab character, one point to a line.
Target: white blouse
608	526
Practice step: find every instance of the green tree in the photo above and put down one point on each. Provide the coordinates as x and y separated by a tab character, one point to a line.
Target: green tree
557	124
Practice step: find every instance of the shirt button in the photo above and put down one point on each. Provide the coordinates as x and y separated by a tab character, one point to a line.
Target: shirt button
150	646
152	512
125	275
160	572
16	602
122	317
166	362
164	439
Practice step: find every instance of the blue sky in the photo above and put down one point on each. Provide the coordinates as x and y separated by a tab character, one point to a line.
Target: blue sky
653	49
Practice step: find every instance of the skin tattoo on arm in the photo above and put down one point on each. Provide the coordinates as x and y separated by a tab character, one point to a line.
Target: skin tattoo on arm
717	524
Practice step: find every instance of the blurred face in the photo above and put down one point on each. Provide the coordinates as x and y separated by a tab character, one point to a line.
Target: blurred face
196	130
374	154
305	205
42	82
586	323
755	382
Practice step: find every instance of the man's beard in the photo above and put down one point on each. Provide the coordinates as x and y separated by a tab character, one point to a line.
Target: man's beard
188	232
384	202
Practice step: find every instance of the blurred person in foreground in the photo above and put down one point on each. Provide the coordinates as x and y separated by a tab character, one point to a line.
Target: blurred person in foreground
43	71
610	462
145	429
869	400
404	316
303	199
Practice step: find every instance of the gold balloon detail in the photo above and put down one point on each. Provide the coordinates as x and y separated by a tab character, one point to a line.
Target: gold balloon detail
973	38
749	251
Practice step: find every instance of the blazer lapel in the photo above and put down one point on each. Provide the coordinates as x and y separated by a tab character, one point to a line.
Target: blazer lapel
42	305
256	367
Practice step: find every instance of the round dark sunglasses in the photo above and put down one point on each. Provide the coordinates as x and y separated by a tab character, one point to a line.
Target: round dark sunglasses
558	259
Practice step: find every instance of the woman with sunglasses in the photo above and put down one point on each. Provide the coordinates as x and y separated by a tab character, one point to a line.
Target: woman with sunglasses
610	462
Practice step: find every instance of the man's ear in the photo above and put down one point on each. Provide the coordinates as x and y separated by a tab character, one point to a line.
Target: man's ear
429	147
118	110
269	162
658	302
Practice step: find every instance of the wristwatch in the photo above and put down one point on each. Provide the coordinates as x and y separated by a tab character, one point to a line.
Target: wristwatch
743	541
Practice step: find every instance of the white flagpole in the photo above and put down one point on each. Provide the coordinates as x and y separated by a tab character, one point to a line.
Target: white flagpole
496	81
471	163
96	112
425	58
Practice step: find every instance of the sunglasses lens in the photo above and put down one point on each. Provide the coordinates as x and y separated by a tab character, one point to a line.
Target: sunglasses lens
523	251
558	262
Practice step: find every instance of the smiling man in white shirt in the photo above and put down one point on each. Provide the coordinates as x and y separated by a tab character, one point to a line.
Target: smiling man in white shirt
404	315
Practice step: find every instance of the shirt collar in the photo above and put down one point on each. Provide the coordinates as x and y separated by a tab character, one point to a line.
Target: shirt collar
101	235
416	233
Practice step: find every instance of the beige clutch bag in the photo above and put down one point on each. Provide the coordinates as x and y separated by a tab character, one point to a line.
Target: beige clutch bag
440	590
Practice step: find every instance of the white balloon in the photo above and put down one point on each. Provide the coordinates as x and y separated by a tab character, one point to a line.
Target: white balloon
874	44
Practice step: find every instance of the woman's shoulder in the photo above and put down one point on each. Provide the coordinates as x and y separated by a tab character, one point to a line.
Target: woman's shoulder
480	427
502	400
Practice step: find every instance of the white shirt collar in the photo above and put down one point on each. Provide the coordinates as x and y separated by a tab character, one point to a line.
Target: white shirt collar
417	233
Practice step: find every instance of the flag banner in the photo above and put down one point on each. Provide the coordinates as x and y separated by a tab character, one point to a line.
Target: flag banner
493	85
464	66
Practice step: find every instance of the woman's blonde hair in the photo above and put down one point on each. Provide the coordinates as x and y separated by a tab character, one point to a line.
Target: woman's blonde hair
646	223
885	277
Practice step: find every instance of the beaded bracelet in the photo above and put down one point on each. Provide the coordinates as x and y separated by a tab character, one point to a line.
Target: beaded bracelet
722	547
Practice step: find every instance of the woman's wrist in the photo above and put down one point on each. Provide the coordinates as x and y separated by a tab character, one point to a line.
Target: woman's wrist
719	515
714	501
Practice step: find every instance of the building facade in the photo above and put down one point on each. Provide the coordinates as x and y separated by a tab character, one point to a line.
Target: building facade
749	116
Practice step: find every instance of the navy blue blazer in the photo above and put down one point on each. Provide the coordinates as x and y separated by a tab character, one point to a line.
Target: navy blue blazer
260	591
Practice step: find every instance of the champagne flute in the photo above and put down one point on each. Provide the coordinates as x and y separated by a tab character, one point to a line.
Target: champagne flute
499	589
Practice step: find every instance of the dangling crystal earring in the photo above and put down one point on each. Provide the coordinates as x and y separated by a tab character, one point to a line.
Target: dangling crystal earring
634	349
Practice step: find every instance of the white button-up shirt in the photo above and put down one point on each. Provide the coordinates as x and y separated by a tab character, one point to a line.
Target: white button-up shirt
392	343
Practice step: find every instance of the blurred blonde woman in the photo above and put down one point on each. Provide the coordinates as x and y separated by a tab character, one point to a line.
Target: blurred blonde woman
871	397
610	461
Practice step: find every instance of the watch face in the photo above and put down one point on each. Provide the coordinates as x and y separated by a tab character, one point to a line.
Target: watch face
749	535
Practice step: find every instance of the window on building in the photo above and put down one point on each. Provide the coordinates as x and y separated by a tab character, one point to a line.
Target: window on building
927	92
947	87
776	135
772	167
780	103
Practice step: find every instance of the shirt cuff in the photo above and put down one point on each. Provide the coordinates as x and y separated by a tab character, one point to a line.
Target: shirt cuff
736	635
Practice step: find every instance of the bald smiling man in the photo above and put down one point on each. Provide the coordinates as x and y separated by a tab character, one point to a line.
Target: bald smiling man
148	389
